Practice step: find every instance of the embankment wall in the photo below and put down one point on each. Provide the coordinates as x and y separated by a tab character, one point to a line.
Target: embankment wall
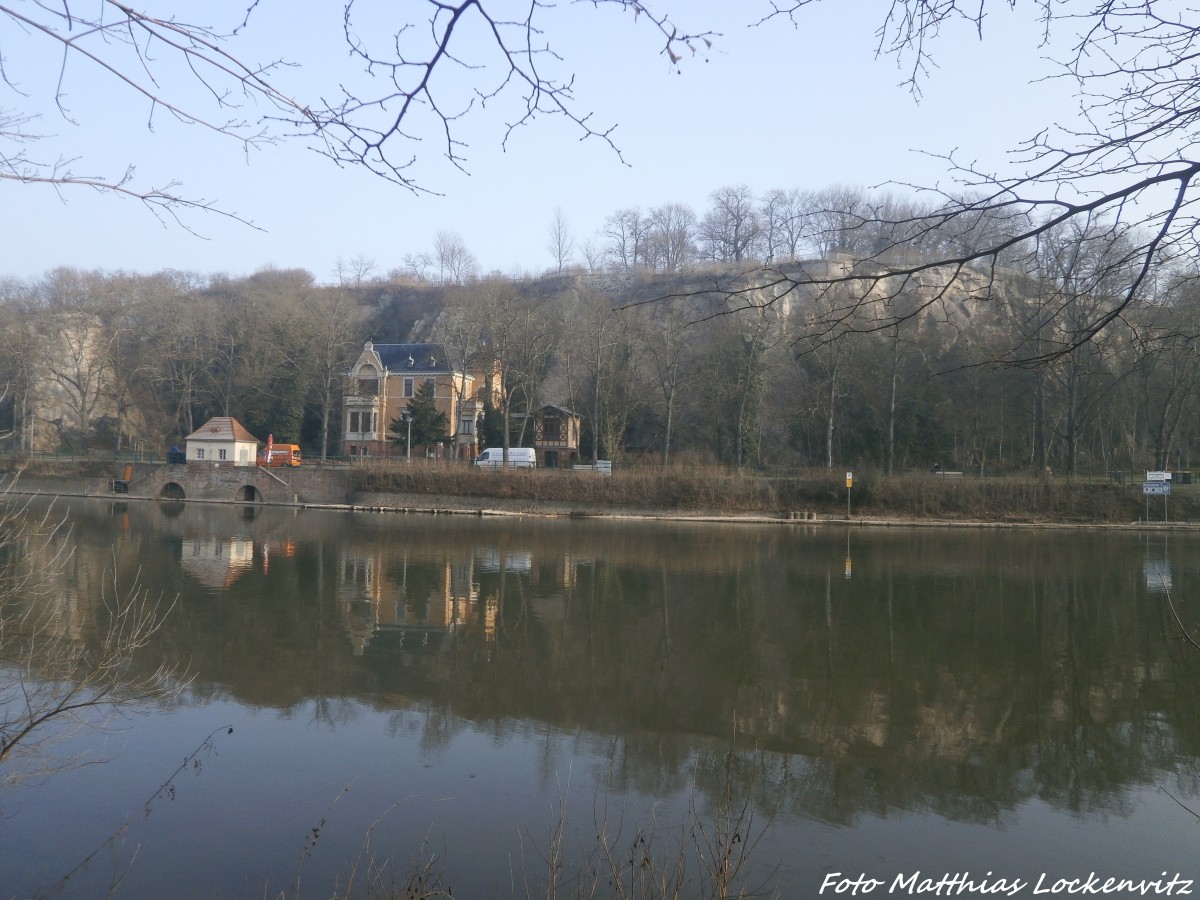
198	481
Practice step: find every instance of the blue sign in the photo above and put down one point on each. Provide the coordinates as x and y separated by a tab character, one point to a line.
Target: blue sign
1156	487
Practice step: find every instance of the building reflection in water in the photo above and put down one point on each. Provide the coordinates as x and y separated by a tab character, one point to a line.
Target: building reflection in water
393	603
217	562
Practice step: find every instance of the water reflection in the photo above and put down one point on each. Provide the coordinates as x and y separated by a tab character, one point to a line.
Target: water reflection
858	676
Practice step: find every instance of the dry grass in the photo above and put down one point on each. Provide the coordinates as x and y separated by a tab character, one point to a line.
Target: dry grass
712	490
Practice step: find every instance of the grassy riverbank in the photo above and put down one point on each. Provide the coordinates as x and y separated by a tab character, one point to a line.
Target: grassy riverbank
712	491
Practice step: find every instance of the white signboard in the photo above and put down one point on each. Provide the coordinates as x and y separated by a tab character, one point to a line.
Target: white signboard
1158	476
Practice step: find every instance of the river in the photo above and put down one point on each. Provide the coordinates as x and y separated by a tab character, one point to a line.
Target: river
1001	710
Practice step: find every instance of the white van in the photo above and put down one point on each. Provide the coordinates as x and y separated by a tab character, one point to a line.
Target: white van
518	458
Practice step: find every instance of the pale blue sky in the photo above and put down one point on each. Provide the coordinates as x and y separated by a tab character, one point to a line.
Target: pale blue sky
771	107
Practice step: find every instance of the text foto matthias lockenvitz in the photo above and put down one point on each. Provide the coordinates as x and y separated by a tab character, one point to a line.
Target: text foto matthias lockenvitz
964	884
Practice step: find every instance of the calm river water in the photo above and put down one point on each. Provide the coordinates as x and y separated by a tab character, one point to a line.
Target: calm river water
1016	705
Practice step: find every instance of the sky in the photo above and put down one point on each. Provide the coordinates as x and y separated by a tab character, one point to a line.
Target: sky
768	106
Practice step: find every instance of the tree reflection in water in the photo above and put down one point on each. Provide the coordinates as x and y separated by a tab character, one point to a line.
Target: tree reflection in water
942	676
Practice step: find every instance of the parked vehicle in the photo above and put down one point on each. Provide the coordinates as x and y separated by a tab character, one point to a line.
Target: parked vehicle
518	458
281	455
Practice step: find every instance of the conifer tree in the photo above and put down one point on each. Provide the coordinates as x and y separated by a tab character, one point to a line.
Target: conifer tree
429	424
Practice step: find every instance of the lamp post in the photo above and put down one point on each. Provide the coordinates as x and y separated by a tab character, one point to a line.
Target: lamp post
407	415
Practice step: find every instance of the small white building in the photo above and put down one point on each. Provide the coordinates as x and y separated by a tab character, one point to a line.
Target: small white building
222	440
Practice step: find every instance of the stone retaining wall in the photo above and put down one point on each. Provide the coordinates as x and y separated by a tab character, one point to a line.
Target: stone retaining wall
201	481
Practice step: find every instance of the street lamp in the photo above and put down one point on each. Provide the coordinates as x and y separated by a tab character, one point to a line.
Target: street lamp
407	416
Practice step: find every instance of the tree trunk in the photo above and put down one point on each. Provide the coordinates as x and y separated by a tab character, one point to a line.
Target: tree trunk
891	433
829	420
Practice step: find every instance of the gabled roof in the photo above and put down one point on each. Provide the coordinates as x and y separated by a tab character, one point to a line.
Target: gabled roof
222	428
548	409
419	358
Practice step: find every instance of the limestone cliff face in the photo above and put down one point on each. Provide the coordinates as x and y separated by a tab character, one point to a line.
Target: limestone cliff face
835	295
70	387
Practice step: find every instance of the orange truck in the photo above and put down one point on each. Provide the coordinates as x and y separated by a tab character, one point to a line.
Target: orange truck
280	455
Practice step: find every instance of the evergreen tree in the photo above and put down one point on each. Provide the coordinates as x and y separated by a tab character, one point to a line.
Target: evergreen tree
429	424
491	429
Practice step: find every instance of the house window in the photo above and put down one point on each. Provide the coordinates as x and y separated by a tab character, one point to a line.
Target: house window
408	387
466	426
368	422
199	453
221	454
552	429
353	422
432	385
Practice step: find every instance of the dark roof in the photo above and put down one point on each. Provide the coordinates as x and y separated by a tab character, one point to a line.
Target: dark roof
425	357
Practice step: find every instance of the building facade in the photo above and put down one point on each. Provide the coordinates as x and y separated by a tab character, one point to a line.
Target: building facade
223	441
556	432
379	387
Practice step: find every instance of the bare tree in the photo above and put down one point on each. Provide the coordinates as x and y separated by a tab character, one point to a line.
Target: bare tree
55	681
355	271
731	229
826	361
671	237
123	312
665	337
626	236
522	338
76	361
324	343
461	328
21	352
561	242
593	254
417	266
377	114
455	262
783	215
602	341
1124	160
182	353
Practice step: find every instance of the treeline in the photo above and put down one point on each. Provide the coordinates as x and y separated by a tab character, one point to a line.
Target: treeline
738	226
95	360
834	362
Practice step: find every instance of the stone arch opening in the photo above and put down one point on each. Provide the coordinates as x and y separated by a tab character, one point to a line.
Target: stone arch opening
250	494
172	491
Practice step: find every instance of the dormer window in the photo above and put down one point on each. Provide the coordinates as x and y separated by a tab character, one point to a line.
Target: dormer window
432	361
410	362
